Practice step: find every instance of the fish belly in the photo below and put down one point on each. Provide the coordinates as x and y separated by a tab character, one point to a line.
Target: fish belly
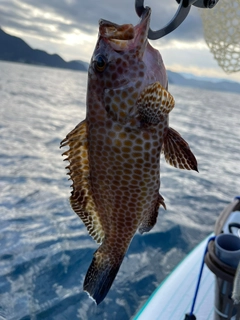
124	176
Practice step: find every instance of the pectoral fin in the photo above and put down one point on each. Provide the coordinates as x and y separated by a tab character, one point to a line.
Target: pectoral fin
150	220
153	103
177	151
81	199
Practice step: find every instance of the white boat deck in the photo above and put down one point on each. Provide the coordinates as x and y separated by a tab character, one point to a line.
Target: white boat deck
173	298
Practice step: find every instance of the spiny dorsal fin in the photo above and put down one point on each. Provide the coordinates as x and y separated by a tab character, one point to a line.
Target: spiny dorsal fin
177	151
81	199
150	220
154	102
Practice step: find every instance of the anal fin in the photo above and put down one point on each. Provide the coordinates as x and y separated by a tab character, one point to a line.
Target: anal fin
150	220
177	151
81	199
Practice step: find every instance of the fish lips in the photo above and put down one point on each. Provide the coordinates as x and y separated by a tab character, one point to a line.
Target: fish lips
126	37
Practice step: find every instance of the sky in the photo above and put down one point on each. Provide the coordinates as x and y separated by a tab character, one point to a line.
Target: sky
69	28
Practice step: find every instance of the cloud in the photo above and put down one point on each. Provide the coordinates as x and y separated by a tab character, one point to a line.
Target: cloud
69	27
51	18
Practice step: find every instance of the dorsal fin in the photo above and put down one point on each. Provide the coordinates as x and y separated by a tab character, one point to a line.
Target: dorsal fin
177	151
81	199
154	102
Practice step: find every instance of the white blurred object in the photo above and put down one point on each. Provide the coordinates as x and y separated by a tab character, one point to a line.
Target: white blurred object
222	33
234	217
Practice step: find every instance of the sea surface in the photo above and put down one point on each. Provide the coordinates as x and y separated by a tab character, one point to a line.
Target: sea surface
45	249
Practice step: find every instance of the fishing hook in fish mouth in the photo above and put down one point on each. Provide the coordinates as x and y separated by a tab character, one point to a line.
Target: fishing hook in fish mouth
181	14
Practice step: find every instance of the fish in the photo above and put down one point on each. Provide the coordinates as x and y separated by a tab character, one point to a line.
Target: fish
114	153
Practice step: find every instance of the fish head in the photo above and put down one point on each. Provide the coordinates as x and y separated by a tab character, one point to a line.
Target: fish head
123	64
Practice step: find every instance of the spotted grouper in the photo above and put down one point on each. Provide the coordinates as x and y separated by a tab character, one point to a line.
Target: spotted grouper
114	154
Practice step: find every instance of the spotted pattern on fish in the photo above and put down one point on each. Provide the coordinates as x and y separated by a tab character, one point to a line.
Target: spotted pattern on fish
177	151
153	103
81	199
114	154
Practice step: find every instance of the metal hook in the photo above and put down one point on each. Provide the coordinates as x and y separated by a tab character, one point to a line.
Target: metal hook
180	16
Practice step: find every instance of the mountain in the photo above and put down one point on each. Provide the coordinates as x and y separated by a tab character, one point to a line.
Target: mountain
16	50
204	83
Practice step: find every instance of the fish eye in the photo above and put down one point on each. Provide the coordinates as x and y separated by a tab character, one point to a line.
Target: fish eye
100	63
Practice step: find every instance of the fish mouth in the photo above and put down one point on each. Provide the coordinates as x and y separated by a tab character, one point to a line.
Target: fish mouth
126	36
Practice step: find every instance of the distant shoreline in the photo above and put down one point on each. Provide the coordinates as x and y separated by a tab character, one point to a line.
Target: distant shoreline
14	49
40	66
173	79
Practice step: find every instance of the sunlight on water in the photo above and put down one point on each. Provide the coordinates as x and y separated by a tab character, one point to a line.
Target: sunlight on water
45	249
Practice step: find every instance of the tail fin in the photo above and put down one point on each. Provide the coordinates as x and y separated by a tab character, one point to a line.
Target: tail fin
101	273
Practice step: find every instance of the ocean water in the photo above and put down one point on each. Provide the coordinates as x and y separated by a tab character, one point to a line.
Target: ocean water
44	248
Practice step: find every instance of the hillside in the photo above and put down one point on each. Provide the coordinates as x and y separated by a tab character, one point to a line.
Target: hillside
16	50
221	85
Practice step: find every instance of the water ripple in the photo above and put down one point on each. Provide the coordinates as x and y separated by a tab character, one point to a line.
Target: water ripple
45	249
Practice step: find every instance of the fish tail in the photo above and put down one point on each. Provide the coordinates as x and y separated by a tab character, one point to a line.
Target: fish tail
101	273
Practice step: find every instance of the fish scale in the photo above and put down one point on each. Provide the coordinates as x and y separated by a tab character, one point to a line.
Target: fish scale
114	154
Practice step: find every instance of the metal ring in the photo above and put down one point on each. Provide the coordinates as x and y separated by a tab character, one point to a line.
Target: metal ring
179	17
